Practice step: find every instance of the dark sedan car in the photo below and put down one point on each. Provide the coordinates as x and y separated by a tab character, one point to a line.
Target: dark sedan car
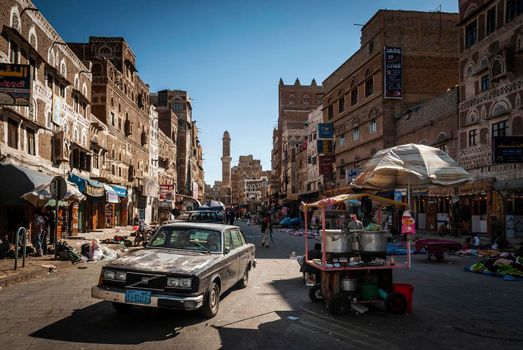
199	216
184	266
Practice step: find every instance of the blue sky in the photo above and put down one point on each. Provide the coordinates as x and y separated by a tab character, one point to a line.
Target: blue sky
229	55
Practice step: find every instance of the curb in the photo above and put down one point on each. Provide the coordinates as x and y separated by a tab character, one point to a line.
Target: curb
23	276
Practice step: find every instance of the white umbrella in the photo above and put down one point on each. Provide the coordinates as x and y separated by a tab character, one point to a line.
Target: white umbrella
41	195
410	164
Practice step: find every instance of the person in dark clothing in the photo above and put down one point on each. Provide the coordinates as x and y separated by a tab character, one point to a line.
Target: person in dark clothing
51	224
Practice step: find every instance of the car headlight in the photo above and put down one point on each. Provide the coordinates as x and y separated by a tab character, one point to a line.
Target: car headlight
109	275
175	282
120	276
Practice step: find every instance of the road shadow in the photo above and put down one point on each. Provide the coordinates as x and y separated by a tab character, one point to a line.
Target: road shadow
101	324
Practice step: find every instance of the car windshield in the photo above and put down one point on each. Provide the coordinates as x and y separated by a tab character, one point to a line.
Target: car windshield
183	216
195	239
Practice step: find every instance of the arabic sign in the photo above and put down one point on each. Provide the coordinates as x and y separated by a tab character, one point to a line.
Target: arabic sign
324	146
507	149
325	164
166	192
15	84
393	73
325	130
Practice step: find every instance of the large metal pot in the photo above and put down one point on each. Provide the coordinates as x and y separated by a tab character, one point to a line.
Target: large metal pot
370	241
338	241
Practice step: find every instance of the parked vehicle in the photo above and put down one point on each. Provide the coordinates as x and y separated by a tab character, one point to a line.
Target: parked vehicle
184	266
199	216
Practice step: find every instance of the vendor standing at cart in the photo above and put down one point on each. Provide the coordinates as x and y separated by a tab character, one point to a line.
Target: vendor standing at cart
354	223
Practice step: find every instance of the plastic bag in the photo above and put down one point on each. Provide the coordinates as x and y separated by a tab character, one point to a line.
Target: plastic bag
95	250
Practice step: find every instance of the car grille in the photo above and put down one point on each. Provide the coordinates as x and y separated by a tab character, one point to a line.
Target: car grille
145	281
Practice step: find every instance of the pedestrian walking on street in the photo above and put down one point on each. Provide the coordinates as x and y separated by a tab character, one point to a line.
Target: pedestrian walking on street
265	230
37	232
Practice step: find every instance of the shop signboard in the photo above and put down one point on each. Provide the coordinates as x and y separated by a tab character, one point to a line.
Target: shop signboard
15	84
166	192
507	149
325	164
393	73
324	146
325	131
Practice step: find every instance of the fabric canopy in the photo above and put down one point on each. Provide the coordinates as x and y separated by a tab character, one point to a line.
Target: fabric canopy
16	180
410	165
121	191
91	187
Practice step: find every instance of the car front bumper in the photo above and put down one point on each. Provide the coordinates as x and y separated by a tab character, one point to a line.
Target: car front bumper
157	300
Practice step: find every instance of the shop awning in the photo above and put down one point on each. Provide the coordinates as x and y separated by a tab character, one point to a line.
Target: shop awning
516	184
120	190
476	187
353	196
91	187
16	180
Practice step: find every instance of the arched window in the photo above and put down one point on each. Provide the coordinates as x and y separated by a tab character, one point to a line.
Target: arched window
471	118
306	99
105	51
33	41
469	69
442	136
423	142
292	99
15	19
496	67
63	68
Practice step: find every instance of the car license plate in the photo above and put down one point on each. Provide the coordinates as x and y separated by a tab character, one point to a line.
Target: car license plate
137	297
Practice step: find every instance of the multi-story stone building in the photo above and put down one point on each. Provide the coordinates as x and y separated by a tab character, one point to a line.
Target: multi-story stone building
491	112
189	163
120	99
295	102
293	140
312	180
49	135
248	168
405	58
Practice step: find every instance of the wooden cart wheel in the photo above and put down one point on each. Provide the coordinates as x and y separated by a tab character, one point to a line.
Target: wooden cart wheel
396	303
339	304
315	293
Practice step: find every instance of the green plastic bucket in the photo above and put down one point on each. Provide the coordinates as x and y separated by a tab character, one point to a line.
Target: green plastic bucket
369	291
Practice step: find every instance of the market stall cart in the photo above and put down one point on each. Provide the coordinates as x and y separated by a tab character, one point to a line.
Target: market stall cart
437	247
354	269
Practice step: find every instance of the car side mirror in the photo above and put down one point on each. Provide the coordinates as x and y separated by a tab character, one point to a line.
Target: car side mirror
226	250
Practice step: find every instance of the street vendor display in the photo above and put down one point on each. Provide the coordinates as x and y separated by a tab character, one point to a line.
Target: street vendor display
354	269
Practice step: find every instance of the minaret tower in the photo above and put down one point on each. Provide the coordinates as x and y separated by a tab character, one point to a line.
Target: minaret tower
226	160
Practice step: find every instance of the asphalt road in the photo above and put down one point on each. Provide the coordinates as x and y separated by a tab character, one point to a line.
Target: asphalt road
453	309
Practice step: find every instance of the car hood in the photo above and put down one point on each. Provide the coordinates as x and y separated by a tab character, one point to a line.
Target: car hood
165	261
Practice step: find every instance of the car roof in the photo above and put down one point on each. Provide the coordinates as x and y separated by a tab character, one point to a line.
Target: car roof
198	211
209	226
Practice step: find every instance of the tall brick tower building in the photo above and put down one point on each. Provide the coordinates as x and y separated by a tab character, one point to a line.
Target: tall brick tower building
226	160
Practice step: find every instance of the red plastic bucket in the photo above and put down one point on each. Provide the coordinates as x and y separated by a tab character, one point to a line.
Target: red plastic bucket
407	290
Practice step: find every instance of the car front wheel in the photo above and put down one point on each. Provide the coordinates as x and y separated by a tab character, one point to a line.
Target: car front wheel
211	304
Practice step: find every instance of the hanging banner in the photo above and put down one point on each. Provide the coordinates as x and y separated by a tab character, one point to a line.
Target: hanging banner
408	224
393	76
325	164
324	146
325	130
15	84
